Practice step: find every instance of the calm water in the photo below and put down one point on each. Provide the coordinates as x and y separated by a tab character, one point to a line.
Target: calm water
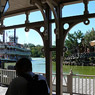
39	66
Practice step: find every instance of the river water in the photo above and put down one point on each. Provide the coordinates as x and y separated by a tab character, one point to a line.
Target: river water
38	65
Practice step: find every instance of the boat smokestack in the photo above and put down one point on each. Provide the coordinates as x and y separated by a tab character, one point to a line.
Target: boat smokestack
15	35
4	36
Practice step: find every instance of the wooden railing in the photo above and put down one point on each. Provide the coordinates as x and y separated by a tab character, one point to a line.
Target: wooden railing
72	83
84	84
6	76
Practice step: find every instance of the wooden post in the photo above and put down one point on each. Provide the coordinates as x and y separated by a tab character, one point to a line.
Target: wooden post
48	53
59	55
70	83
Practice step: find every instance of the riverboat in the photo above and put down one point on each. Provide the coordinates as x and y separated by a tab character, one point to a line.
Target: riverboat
83	55
12	51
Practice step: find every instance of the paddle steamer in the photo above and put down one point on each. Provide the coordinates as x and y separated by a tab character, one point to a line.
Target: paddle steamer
12	51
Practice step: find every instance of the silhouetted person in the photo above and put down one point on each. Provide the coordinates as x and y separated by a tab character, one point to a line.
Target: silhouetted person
26	82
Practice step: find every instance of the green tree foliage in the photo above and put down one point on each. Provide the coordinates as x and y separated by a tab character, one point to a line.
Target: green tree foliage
31	45
89	36
36	51
73	40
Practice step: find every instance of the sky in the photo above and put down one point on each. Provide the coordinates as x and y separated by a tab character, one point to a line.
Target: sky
33	37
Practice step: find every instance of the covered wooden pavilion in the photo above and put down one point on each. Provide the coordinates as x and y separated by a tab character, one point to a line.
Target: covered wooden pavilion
47	7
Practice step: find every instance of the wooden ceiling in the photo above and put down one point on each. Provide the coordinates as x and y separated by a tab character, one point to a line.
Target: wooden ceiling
20	6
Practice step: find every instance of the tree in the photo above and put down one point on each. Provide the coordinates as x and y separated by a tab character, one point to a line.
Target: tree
31	45
89	36
36	51
73	40
25	45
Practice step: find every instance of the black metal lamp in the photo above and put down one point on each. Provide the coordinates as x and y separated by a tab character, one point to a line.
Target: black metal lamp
4	5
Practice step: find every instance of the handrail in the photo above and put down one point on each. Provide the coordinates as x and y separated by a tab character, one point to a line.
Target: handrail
72	83
83	75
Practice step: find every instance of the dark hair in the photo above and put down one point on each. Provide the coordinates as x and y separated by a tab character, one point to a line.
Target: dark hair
23	65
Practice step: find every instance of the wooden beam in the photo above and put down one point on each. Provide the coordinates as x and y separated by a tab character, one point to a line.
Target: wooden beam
52	49
54	2
30	25
41	23
69	2
78	18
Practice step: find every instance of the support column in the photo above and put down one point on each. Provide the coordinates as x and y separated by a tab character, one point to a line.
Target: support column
48	53
59	54
3	32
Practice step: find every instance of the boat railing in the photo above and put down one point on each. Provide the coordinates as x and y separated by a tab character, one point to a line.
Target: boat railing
2	46
18	47
72	83
2	52
6	76
13	52
16	53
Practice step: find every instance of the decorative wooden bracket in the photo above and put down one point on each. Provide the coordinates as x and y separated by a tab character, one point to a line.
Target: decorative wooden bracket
2	25
41	8
86	22
27	21
86	6
52	4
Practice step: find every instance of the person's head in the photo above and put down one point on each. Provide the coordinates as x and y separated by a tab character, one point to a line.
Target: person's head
23	65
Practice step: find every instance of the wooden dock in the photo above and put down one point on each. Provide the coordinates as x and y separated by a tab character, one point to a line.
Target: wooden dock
3	90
